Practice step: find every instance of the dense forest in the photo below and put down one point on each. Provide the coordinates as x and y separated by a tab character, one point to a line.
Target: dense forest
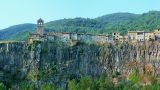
121	22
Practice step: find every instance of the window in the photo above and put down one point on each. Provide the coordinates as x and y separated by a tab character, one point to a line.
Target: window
133	38
139	33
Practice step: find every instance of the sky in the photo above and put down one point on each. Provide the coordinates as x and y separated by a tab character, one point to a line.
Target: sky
13	12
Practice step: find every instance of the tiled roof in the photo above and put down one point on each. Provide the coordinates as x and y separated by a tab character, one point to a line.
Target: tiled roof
134	31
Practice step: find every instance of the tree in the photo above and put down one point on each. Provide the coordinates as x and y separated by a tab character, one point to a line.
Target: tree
134	77
72	85
2	86
26	86
33	74
86	83
48	86
105	83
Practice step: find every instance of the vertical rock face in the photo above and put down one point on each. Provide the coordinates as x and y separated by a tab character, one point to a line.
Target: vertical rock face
12	55
12	60
74	61
57	61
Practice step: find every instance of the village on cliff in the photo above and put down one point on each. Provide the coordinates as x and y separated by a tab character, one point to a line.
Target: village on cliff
132	36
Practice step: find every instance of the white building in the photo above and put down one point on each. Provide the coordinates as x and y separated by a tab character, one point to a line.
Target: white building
100	38
84	37
140	36
63	36
136	35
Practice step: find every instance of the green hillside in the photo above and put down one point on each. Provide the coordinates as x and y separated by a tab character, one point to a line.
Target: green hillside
121	22
17	32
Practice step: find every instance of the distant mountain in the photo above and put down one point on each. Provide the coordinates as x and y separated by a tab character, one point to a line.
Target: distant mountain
9	32
117	18
121	22
81	25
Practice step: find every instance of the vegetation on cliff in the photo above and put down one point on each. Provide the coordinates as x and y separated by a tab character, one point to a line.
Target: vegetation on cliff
102	82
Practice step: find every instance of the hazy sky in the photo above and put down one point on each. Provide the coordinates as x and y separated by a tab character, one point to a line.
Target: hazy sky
14	12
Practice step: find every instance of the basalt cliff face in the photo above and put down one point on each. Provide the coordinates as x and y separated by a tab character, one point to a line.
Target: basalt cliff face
58	62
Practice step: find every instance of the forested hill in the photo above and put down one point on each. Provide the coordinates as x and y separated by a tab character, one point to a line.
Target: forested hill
16	32
121	22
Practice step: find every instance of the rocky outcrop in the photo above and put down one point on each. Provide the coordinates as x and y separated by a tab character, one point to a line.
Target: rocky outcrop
57	61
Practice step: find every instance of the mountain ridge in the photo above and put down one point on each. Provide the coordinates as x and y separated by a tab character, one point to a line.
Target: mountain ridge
121	22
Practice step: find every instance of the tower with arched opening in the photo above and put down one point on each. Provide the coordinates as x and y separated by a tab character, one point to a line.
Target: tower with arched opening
40	26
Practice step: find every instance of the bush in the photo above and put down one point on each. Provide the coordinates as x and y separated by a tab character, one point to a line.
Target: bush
26	86
2	87
72	85
86	83
134	77
48	86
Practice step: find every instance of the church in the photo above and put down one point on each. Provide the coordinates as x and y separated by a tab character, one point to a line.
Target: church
40	35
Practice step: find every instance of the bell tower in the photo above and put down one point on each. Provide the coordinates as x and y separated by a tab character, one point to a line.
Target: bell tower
40	26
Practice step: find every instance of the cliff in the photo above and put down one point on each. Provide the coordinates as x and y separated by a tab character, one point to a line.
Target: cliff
58	62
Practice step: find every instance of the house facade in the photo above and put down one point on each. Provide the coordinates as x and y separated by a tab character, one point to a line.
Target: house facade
121	38
100	38
126	38
73	36
140	36
133	36
115	35
136	35
149	36
157	33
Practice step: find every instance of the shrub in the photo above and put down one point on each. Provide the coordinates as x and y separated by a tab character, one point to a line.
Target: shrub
72	85
2	87
48	86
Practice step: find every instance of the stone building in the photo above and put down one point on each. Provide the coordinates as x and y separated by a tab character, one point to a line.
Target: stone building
149	36
39	34
58	36
84	37
110	39
132	35
64	36
73	36
40	26
126	38
100	38
136	35
115	35
157	33
121	38
140	36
